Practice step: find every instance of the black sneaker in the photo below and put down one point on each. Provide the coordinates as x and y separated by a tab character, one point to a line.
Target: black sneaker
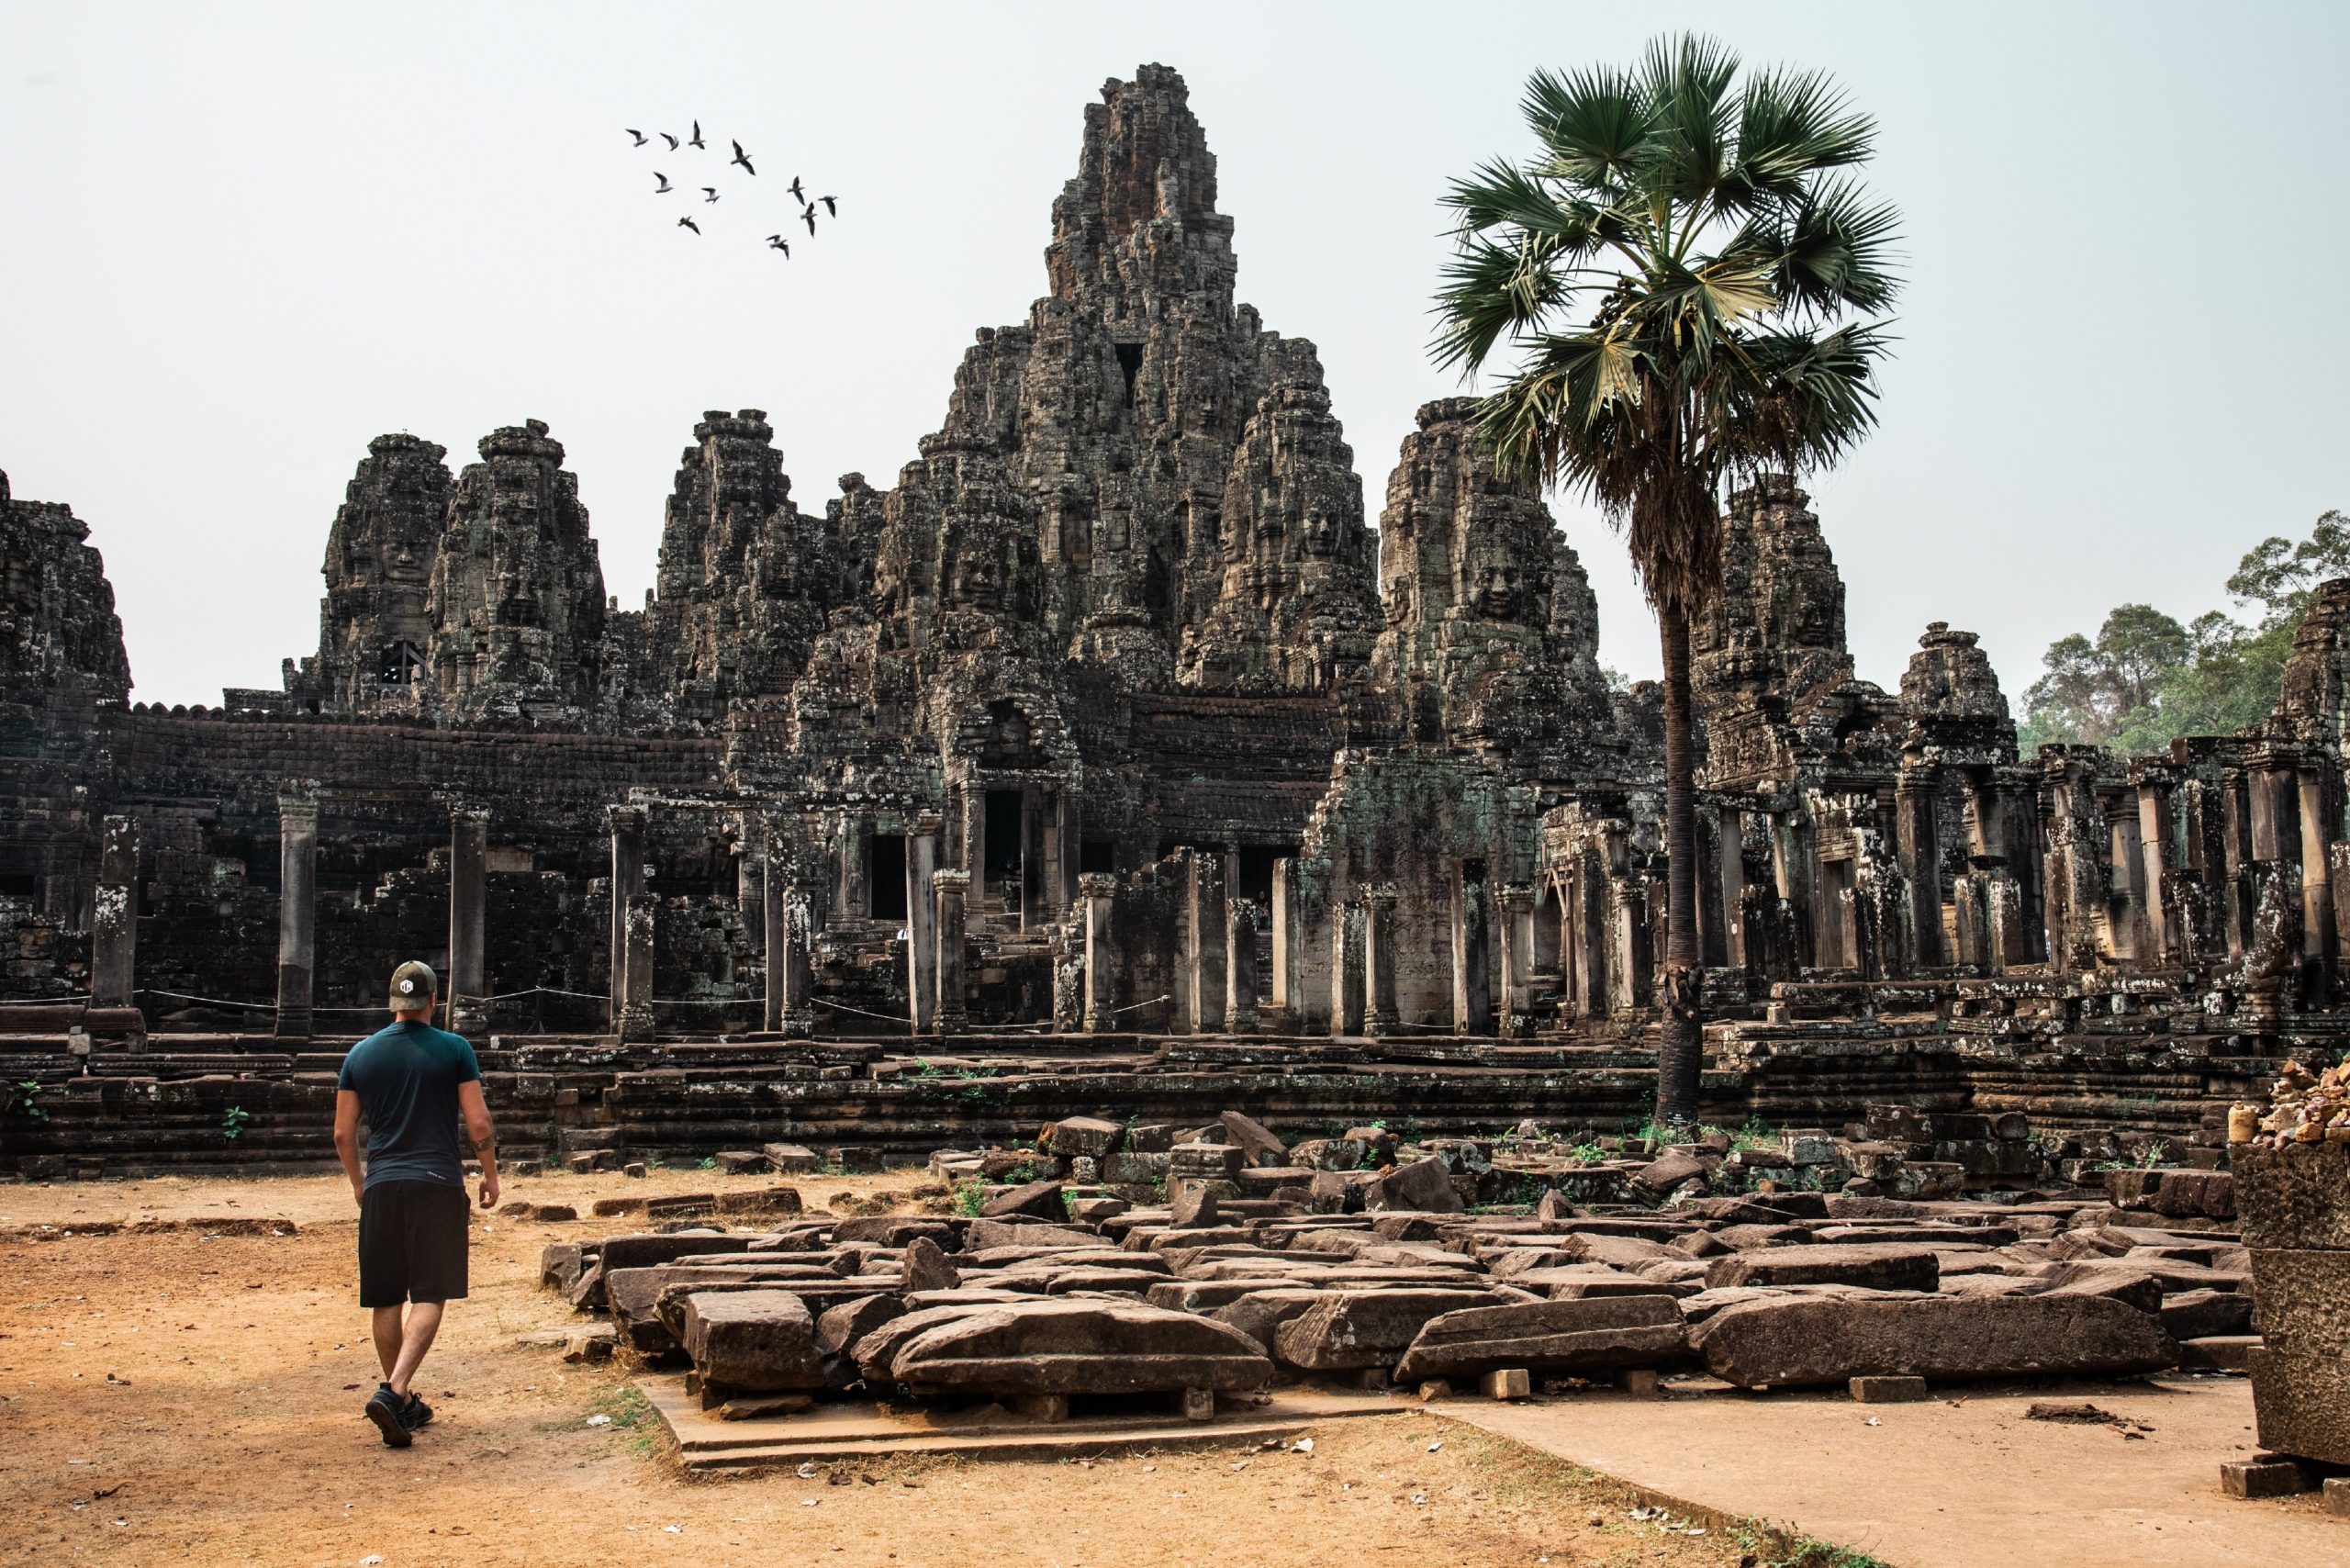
415	1413
384	1409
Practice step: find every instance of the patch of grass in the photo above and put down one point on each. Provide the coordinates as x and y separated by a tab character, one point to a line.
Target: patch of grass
707	1162
970	1194
234	1122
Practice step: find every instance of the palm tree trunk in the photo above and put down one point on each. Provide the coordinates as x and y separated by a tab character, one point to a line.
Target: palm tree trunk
1680	1058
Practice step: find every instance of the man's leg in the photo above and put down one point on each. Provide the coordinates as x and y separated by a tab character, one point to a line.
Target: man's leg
415	1338
387	1332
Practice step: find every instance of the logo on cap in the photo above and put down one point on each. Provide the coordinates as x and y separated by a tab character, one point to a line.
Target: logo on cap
407	986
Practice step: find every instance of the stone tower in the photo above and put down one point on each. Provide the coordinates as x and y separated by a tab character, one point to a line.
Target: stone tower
376	621
1491	630
1777	626
61	642
517	593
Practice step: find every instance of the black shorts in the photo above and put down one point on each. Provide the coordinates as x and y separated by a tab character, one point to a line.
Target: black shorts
411	1243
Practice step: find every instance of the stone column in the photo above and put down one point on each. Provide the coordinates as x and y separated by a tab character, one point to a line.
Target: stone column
297	911
926	932
636	970
2316	850
1472	1001
2133	936
951	889
1288	995
1348	959
2164	943
750	880
468	894
1203	940
857	874
1730	863
114	915
797	1008
1378	958
1240	967
775	881
1915	798
1096	888
627	824
1588	904
2235	857
1515	901
1069	847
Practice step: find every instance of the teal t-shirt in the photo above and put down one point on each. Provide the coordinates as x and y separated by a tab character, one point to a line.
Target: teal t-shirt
405	1076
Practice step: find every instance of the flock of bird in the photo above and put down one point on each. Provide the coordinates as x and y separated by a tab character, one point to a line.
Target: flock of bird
709	194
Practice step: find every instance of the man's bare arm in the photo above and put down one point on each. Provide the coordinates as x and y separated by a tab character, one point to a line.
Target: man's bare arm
483	1134
346	1138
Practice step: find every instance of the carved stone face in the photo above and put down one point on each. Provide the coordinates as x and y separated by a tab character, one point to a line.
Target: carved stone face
977	580
1495	590
1318	533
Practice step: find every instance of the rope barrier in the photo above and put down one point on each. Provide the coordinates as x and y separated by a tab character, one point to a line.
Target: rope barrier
1154	1002
844	1007
81	998
211	1000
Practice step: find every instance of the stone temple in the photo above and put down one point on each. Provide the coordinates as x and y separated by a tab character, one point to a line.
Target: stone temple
1113	752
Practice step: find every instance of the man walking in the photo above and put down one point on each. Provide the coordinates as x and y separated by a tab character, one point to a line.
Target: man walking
412	1082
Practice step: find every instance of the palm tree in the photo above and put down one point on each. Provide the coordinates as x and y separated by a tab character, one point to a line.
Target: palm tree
1694	287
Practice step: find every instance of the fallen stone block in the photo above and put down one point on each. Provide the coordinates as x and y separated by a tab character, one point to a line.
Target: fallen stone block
1072	1347
1424	1186
1659	1178
843	1324
1823	1341
1871	1268
1074	1138
1260	1313
1353	1330
791	1160
1514	1383
741	1161
2200	1315
760	1201
757	1340
984	1234
1257	1143
1040	1198
1889	1390
927	1268
648	1249
1604	1332
2219	1352
2267	1477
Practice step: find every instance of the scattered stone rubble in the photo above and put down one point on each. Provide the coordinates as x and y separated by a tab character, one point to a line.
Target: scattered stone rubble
1116	1260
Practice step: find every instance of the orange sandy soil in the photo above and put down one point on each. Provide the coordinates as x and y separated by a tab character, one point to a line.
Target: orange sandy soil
183	1395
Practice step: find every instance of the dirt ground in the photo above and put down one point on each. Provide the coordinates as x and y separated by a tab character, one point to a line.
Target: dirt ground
189	1393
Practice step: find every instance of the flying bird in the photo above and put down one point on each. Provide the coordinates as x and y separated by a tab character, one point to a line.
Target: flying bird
694	140
670	139
778	242
709	193
797	194
809	217
742	158
640	138
665	187
830	210
690	223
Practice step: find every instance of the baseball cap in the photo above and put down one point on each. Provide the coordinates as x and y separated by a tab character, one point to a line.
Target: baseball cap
413	986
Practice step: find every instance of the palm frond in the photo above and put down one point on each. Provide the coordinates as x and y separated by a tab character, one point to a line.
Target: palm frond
1689	79
1492	292
1793	125
1592	124
1838	250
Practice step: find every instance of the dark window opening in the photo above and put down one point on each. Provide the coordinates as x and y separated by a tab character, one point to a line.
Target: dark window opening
1005	820
1097	856
1257	874
1472	870
885	866
1130	361
400	665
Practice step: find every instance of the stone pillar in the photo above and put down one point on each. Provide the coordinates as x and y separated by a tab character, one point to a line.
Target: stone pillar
951	890
1096	888
1288	995
1730	863
1515	901
298	911
1472	1001
1588	904
627	824
1378	958
975	836
1204	944
1348	956
2316	849
2132	935
1069	847
2275	798
774	888
1240	967
1915	798
635	1012
797	1004
114	915
926	936
468	894
1626	935
750	880
1713	919
856	873
2164	938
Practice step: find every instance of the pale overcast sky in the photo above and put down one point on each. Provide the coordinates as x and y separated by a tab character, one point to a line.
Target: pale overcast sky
239	240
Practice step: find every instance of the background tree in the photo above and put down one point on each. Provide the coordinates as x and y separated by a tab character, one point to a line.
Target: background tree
2146	678
1692	287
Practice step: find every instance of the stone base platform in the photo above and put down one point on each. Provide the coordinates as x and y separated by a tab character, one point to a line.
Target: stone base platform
863	1429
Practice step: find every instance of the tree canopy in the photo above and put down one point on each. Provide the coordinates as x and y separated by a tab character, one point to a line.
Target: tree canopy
2146	678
